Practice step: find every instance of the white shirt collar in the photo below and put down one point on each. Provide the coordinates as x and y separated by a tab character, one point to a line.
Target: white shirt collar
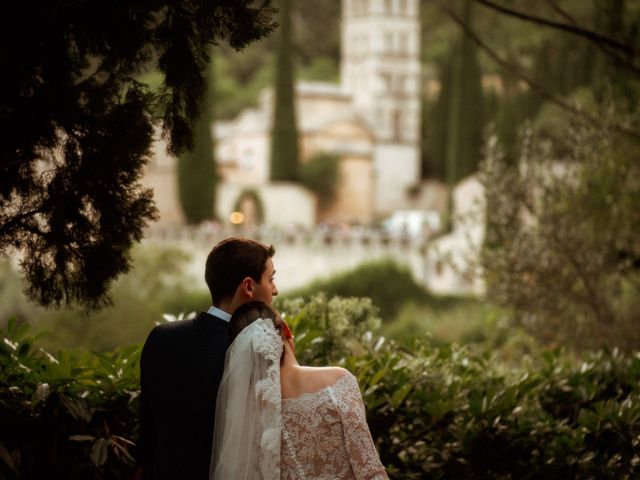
216	312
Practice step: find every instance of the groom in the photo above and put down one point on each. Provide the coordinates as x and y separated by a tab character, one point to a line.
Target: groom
182	363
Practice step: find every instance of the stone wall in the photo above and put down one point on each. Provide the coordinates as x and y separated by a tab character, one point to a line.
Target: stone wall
284	204
307	254
161	178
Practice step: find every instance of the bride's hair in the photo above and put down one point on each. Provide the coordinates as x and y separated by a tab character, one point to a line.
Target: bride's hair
248	313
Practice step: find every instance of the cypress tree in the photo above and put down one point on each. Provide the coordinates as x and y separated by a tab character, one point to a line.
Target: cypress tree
435	126
196	169
73	106
465	119
608	77
508	120
284	136
471	106
454	136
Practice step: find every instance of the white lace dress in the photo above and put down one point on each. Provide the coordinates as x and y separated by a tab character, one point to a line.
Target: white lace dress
325	436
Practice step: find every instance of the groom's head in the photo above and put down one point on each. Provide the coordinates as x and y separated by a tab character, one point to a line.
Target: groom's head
240	270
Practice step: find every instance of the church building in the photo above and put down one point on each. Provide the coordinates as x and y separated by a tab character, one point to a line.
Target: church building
370	121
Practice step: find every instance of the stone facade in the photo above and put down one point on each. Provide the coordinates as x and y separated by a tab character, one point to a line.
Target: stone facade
370	121
380	68
452	265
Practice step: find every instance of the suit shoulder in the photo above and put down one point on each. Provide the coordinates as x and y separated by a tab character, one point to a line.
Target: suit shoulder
173	327
168	332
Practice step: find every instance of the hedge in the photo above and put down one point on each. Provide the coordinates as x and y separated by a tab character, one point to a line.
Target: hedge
434	412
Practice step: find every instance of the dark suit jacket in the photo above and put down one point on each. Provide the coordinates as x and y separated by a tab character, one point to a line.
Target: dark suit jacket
180	372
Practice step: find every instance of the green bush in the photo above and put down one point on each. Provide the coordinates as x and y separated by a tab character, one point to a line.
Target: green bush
73	415
434	412
449	413
158	283
561	250
321	175
386	283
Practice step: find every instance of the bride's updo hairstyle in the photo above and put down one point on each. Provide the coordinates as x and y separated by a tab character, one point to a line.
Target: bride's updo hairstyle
248	313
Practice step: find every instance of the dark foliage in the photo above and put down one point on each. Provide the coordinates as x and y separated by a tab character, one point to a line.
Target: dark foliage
77	126
197	168
68	416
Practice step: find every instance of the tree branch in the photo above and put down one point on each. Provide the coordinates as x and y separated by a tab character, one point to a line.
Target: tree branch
518	72
556	8
595	37
607	51
18	221
592	296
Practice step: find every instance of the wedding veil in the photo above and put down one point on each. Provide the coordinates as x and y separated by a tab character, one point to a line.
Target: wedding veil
246	439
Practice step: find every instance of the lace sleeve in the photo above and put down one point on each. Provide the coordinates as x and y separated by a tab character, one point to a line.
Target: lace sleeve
363	456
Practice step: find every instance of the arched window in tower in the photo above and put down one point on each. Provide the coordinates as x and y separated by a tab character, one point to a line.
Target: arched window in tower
400	84
402	7
396	123
388	42
388	6
386	81
404	43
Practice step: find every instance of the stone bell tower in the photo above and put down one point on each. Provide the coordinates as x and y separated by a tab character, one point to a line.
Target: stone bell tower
380	68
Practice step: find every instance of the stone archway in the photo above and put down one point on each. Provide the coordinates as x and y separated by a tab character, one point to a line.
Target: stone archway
250	206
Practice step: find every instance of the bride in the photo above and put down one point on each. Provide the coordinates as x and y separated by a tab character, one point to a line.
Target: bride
277	419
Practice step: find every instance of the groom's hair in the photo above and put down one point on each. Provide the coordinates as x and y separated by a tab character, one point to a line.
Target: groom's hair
248	313
232	260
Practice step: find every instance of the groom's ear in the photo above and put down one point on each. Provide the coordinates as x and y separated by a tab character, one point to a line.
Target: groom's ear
247	286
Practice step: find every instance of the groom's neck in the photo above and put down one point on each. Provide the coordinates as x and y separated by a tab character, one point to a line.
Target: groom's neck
224	306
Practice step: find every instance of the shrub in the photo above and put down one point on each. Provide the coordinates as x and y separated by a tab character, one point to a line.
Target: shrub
449	413
433	412
158	283
73	415
321	175
562	249
386	283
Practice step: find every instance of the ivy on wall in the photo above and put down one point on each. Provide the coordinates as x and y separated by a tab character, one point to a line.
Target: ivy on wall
321	175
